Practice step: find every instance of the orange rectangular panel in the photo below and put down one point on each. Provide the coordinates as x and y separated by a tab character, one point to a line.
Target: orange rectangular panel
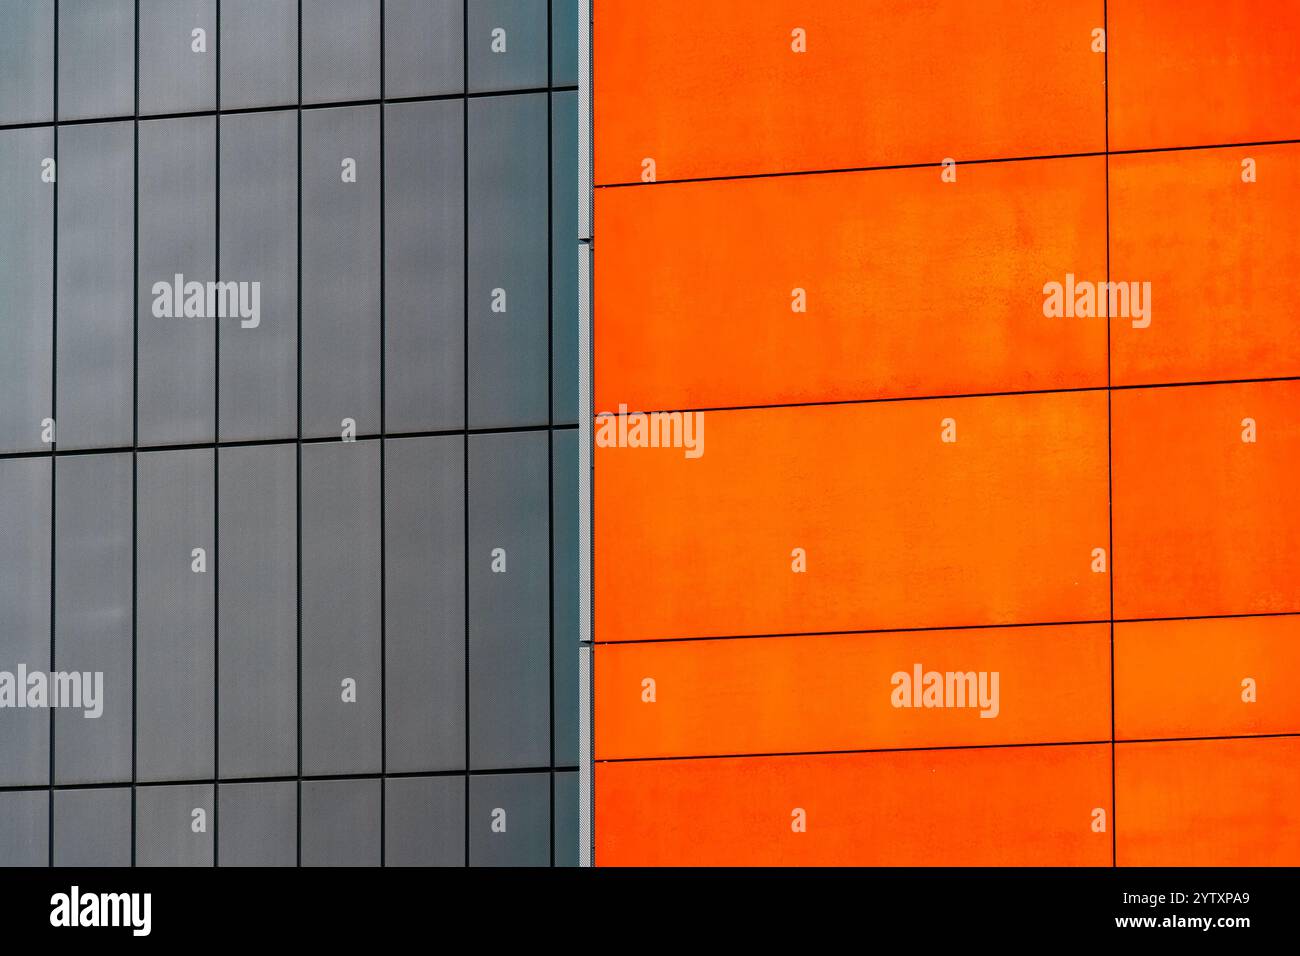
844	692
1206	523
889	283
719	89
1208	803
1220	255
1006	806
1200	72
893	526
1231	676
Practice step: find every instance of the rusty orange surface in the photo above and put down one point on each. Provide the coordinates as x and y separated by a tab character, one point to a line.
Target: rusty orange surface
1208	803
897	527
716	89
1202	72
1190	678
1221	257
828	537
838	692
907	285
1007	806
1206	523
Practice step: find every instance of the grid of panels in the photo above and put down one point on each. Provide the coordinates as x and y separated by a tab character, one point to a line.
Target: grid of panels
315	528
910	467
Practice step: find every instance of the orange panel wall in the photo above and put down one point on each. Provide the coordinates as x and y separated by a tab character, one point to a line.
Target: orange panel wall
911	460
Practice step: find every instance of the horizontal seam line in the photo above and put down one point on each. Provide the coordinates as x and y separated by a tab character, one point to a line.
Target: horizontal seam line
892	399
939	163
948	747
293	778
939	627
264	442
288	107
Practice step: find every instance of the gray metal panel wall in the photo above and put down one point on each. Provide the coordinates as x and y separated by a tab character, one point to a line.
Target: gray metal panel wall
261	429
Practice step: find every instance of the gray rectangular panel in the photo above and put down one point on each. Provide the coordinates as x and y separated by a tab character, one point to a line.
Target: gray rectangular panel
424	821
566	819
259	244
26	286
25	828
340	270
425	594
24	614
340	50
96	58
423	47
425	269
258	824
508	287
174	825
258	603
564	42
176	366
175	564
509	579
507	43
564	270
259	53
26	61
92	612
340	608
178	55
510	819
564	561
96	331
92	827
340	822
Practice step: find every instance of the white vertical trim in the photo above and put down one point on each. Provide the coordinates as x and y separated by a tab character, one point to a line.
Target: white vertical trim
586	770
586	828
586	780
